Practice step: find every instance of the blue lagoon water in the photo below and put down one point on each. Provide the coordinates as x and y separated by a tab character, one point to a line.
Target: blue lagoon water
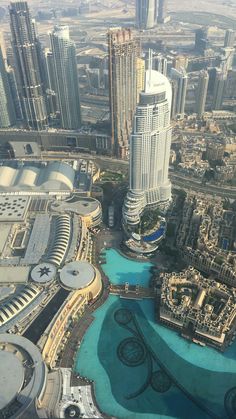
121	270
144	370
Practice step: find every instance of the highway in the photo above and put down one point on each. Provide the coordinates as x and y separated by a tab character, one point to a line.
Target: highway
177	179
188	183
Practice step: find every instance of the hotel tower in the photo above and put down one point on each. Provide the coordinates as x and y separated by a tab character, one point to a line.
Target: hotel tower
150	141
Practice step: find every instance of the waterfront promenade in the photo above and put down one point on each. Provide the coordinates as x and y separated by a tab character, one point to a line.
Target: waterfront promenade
80	328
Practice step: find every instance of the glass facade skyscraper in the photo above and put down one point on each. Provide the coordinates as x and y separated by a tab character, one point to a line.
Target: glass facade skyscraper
146	13
65	77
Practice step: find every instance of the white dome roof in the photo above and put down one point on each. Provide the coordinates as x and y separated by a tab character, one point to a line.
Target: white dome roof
156	83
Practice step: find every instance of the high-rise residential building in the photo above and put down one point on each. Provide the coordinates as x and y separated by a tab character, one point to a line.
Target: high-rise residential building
201	41
230	88
229	38
227	58
146	13
123	52
3	47
181	78
219	89
140	68
7	112
50	76
174	87
15	93
180	61
162	12
215	150
160	64
66	82
26	50
150	142
201	93
50	84
15	98
212	78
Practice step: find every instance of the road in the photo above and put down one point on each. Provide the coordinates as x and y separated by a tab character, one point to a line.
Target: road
177	179
188	183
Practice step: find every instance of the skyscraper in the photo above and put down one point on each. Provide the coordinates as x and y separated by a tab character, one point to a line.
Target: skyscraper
123	51
146	13
7	112
50	84
140	68
180	61
229	38
219	89
160	63
227	58
201	40
66	77
201	92
174	87
230	88
150	141
26	49
182	81
15	93
162	12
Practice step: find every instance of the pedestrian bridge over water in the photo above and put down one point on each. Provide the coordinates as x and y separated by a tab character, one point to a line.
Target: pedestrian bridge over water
128	291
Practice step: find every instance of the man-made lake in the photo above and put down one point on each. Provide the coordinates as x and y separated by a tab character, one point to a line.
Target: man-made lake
144	370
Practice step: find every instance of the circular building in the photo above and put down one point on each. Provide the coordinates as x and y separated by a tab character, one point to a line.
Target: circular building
23	376
43	273
81	275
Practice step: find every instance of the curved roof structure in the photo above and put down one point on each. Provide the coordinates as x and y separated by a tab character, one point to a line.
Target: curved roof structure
56	176
27	177
11	382
19	302
79	205
60	242
22	375
156	83
7	176
77	275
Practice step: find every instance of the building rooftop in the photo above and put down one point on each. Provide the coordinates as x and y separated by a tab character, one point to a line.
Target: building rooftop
11	377
25	149
14	274
156	83
22	374
201	308
43	273
77	275
54	176
83	207
13	208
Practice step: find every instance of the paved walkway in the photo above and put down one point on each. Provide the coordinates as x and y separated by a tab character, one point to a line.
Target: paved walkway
81	396
69	353
132	293
80	328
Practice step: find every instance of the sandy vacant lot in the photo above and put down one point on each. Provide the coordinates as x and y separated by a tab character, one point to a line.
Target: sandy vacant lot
227	7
